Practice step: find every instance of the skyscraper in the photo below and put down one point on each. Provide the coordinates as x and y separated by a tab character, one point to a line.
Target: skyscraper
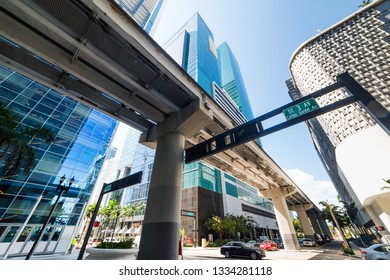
359	45
231	79
145	12
82	136
207	190
193	48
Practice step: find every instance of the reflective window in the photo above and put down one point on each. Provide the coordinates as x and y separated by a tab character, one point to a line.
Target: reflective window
57	233
25	233
34	234
2	228
10	234
47	233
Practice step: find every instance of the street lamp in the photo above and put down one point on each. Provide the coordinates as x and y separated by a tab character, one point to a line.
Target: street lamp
62	188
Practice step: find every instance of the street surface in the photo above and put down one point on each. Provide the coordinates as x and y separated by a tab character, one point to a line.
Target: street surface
328	251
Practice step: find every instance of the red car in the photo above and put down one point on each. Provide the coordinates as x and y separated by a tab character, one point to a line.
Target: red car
268	245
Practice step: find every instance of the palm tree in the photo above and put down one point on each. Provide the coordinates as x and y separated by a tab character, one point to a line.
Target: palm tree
141	208
128	211
16	143
108	213
386	187
365	3
87	217
332	210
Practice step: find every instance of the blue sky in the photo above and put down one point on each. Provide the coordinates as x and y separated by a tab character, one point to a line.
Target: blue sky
263	36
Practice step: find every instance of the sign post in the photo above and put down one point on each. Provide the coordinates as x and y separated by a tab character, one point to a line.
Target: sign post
191	214
113	186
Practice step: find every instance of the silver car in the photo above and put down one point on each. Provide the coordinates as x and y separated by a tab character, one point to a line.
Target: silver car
309	242
376	252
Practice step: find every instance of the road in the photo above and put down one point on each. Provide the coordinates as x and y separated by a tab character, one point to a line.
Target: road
328	251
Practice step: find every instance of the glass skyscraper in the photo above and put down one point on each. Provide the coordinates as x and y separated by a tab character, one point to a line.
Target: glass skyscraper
207	190
231	79
194	49
145	12
82	136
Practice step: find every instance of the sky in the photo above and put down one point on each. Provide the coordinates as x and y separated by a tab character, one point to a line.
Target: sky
263	36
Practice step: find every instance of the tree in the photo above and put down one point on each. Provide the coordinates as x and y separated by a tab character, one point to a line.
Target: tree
297	226
215	224
16	143
108	212
365	3
87	217
388	184
332	210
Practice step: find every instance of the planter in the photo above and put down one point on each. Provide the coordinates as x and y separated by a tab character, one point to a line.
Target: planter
111	254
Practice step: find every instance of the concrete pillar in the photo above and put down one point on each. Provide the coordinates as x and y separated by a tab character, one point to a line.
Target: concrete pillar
314	224
307	230
286	228
325	228
160	232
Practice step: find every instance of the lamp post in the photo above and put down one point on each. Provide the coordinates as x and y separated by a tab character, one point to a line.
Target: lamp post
62	188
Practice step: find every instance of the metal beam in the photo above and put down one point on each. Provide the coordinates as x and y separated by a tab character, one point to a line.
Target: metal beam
254	129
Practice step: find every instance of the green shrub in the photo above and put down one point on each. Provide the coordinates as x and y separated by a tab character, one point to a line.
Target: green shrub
217	243
349	251
127	244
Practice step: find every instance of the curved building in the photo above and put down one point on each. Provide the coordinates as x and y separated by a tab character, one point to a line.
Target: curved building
353	148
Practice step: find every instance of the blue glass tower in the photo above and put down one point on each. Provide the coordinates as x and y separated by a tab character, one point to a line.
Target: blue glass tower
145	12
82	137
231	79
207	190
194	49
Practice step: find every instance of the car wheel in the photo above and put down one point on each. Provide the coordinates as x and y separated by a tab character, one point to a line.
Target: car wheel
253	256
227	254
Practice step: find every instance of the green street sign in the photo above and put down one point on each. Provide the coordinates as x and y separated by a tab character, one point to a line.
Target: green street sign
188	213
301	109
108	188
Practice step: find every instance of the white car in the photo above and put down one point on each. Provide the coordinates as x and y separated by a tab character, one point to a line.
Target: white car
308	242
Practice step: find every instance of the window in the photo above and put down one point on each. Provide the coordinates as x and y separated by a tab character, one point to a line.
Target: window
23	236
10	234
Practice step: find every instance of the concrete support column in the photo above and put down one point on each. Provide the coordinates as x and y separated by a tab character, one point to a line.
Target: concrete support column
160	232
314	224
286	227
307	230
325	228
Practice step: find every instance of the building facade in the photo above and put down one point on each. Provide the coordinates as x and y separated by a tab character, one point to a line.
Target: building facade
353	148
146	13
193	48
206	189
82	136
231	79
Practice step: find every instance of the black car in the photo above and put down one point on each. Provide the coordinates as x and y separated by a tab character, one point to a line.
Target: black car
241	249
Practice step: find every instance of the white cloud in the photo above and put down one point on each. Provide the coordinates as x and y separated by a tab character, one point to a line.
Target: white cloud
316	190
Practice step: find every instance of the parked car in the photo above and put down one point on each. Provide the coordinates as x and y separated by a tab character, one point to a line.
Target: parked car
268	245
241	249
253	243
279	242
308	242
376	252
